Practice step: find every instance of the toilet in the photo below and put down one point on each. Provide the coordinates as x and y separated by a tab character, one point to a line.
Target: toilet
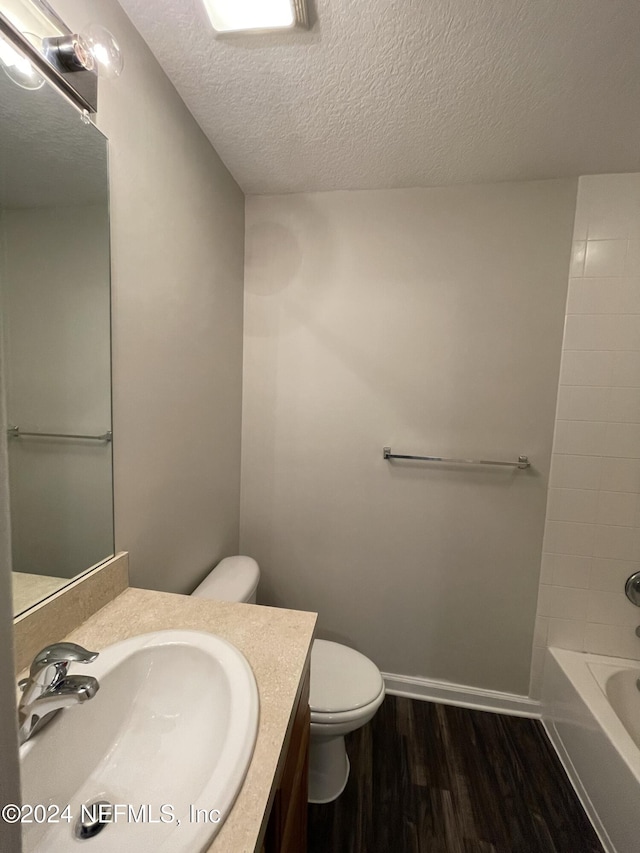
346	687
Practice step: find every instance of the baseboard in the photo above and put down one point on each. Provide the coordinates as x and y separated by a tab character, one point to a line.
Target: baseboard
461	695
578	787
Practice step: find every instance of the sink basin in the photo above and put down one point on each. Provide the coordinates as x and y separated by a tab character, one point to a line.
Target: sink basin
167	742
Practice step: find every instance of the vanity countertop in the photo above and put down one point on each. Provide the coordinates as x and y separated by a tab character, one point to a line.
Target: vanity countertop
276	642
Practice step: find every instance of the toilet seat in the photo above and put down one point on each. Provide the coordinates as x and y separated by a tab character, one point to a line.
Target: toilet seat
343	682
353	716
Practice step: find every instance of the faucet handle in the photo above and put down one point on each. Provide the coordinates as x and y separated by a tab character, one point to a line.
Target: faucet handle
48	687
59	656
82	687
62	652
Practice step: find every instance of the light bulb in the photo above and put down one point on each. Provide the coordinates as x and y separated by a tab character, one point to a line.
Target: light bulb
17	67
100	51
93	49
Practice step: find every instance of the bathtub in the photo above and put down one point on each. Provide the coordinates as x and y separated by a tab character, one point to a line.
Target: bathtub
591	711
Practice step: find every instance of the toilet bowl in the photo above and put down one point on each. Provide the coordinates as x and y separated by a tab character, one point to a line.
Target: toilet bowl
346	687
346	691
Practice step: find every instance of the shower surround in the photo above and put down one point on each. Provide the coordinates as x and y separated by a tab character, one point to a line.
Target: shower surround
592	530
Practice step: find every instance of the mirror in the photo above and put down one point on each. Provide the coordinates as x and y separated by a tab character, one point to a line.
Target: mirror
56	351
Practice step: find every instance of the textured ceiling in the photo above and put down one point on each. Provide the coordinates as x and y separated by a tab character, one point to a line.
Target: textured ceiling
396	93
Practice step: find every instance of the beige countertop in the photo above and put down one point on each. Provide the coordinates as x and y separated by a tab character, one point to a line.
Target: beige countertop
276	642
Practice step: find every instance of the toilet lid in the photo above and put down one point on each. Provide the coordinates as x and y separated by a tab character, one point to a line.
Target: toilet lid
341	678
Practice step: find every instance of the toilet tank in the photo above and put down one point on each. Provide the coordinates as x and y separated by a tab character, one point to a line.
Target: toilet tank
233	579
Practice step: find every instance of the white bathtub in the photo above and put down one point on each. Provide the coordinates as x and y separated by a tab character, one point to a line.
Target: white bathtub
591	710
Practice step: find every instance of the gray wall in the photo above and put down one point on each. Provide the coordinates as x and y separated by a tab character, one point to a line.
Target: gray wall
430	320
177	219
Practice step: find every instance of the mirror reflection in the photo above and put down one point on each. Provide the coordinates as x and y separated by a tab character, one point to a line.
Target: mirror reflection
56	356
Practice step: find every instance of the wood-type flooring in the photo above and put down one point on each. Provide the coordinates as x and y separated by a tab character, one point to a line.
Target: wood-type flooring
430	778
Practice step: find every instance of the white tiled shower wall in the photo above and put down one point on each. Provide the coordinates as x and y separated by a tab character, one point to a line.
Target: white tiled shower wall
592	531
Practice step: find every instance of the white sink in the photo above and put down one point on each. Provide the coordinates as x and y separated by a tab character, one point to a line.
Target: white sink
173	724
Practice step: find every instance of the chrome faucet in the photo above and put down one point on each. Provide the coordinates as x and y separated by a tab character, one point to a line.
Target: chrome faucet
49	688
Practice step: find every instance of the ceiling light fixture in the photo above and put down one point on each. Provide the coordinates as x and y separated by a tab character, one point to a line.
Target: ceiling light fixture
233	16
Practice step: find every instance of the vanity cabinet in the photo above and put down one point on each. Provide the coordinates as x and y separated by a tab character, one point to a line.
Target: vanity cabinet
287	827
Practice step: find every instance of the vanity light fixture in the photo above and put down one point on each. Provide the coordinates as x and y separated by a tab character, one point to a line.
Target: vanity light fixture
71	61
83	58
94	49
234	16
